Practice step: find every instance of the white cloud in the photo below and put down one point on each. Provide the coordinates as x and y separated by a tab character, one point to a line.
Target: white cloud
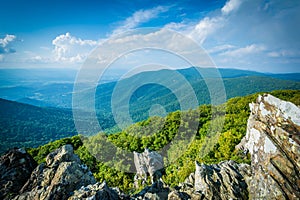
172	48
140	17
230	6
249	49
208	26
221	48
205	28
6	40
71	49
199	31
68	48
4	45
224	32
284	53
177	26
37	58
32	57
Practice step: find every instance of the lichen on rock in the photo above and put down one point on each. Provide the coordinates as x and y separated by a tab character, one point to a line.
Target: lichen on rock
62	174
273	140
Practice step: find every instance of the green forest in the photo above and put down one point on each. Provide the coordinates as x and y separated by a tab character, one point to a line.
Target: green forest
147	95
218	130
23	125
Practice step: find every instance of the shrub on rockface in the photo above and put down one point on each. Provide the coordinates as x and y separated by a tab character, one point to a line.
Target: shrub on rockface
207	147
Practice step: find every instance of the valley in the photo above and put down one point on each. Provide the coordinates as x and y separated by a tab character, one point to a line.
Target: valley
41	113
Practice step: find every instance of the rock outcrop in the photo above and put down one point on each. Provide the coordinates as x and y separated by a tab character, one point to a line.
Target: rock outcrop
58	178
157	190
148	162
98	191
226	180
64	177
15	169
273	140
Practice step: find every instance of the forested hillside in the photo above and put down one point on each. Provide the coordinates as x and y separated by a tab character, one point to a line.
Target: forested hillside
149	94
22	125
29	126
207	146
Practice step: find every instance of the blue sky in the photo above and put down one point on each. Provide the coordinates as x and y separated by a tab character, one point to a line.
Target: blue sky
260	35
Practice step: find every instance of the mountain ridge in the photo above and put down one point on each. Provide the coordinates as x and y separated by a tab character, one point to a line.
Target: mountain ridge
32	87
273	172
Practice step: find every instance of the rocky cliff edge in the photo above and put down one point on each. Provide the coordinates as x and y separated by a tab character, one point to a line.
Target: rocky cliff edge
272	139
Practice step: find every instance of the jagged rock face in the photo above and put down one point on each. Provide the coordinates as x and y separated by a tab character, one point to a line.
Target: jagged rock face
148	162
273	140
186	190
157	191
15	169
98	191
223	180
62	174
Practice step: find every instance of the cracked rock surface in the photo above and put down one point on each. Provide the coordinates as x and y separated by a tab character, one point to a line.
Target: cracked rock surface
273	140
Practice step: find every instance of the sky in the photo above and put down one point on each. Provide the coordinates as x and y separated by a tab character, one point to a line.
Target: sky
258	35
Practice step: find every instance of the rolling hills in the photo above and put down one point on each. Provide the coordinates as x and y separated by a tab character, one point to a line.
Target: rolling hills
204	148
54	87
144	97
27	125
50	117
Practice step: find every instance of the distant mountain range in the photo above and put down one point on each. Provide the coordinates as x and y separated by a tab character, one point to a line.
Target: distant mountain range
236	83
53	88
50	117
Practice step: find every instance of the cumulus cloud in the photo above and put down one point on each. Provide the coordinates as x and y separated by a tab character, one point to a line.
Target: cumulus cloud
202	29
7	39
231	6
68	48
176	26
258	31
206	27
161	46
5	45
71	49
139	17
255	31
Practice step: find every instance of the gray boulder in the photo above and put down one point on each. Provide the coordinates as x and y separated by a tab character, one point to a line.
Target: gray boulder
62	174
221	181
157	191
15	168
148	162
98	191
